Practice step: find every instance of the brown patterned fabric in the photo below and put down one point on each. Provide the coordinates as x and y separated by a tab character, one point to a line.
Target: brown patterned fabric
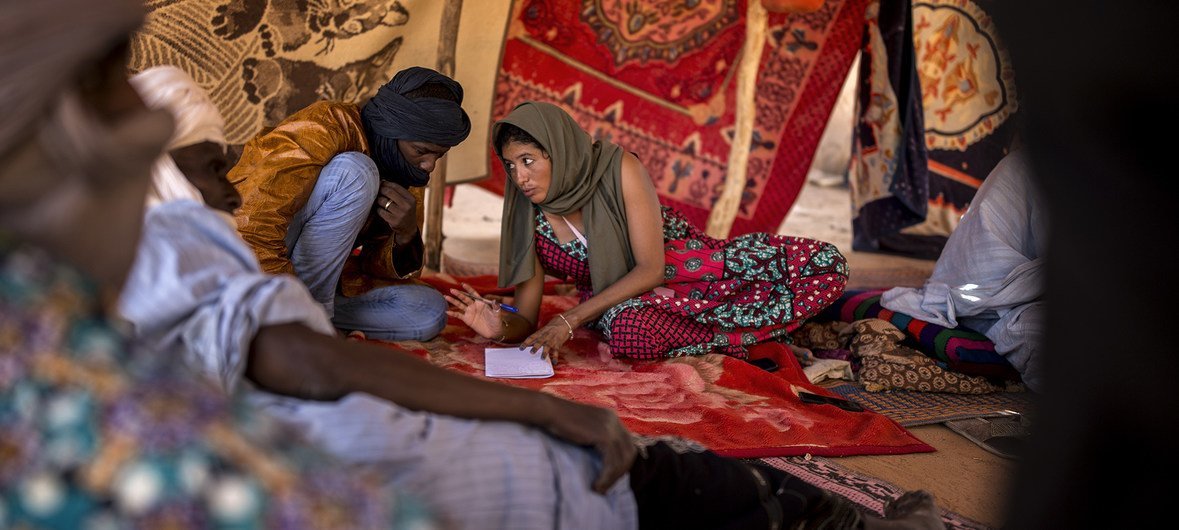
889	366
886	364
871	336
921	374
261	60
820	336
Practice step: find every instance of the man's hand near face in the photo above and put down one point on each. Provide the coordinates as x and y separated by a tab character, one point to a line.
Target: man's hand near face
398	208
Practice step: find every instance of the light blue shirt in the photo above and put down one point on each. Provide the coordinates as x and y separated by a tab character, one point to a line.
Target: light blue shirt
990	275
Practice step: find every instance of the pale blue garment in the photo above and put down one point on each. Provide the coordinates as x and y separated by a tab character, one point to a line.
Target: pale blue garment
321	237
196	291
989	277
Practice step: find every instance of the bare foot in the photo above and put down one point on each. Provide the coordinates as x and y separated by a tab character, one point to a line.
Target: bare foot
915	510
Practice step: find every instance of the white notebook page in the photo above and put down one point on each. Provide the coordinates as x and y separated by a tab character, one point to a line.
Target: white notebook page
516	363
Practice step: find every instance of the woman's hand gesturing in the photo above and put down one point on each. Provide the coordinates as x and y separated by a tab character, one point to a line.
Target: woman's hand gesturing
481	314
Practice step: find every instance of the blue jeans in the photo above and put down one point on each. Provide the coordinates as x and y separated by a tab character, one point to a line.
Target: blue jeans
321	237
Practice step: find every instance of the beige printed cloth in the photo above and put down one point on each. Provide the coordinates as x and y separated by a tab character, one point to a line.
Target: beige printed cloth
262	60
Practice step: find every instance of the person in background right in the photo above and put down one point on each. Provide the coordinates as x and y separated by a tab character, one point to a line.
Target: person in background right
1098	94
989	276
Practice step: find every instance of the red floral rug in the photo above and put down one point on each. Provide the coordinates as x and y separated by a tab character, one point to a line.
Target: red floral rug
725	404
658	79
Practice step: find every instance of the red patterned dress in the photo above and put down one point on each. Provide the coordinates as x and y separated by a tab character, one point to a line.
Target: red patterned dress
718	296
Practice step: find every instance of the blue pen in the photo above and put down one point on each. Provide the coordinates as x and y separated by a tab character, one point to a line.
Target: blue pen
505	307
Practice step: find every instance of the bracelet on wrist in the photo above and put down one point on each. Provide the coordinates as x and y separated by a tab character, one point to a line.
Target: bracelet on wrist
566	321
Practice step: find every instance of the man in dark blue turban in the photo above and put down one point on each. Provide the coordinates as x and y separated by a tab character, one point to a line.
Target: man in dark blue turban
333	195
417	108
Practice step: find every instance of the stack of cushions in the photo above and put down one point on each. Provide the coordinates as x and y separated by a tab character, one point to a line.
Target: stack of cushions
959	349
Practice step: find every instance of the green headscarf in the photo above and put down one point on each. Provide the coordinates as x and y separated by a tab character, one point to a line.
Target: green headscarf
587	176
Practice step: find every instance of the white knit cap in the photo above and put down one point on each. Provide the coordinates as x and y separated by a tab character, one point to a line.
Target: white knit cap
197	120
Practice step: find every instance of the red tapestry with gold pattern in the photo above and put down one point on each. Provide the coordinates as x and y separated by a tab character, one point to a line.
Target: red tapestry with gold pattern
658	78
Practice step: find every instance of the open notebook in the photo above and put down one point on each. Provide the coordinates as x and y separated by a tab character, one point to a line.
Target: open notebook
516	363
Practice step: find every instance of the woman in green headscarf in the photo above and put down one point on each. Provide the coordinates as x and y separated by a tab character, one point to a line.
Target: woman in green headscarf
651	282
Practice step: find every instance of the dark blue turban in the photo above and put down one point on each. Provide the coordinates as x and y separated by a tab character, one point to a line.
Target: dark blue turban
390	116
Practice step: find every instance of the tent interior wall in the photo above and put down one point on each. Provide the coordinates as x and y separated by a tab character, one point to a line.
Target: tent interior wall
824	145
